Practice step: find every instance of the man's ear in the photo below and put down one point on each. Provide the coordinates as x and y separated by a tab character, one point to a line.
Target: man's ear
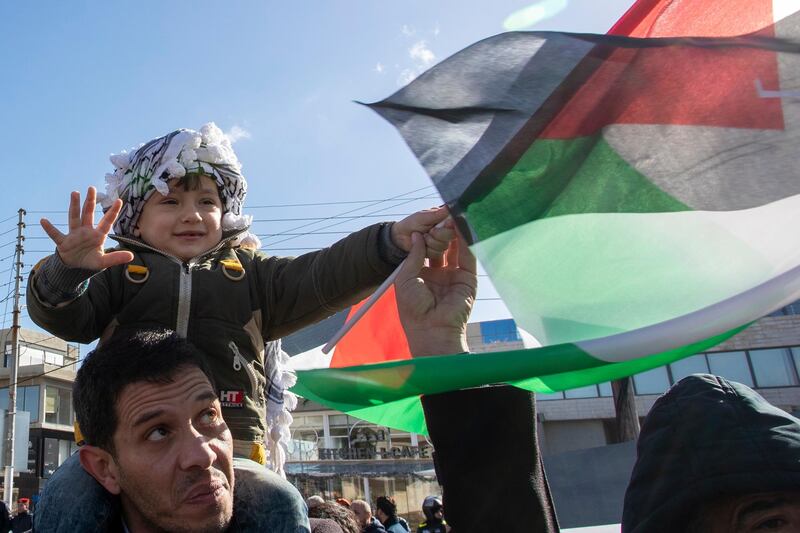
101	466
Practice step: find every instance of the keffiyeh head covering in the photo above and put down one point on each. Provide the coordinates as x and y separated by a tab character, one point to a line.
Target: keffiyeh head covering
183	152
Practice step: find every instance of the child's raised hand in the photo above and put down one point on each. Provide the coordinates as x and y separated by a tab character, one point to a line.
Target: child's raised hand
82	247
435	226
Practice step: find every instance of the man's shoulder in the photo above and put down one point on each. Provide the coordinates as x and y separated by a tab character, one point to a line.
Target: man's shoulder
375	527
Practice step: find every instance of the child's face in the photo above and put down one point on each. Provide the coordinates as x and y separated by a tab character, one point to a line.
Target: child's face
185	223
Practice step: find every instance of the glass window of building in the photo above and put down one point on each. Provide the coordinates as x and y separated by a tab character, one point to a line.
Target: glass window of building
56	452
499	331
27	400
549	396
605	389
30	355
57	406
773	368
695	364
654	381
796	356
30	401
731	365
582	392
305	444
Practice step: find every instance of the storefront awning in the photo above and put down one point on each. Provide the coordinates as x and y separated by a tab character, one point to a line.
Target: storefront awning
419	469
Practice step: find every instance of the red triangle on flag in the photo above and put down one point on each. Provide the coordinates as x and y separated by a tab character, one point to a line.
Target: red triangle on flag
377	337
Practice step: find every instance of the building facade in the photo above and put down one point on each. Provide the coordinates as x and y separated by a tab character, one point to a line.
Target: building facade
44	389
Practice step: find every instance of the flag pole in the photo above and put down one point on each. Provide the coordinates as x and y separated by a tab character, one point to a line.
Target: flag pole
363	309
369	303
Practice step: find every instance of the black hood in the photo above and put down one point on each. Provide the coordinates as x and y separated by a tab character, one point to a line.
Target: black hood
708	437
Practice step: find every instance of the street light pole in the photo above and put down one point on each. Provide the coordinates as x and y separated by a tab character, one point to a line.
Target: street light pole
14	370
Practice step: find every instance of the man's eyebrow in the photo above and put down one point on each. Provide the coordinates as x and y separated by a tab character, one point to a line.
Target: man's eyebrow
147	416
205	396
758	506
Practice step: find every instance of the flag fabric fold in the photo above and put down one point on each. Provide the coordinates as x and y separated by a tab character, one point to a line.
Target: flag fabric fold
634	199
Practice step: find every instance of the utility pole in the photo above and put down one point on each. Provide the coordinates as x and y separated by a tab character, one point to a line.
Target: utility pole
625	407
14	370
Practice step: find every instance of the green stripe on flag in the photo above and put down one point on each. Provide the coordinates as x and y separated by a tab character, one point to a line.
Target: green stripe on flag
611	371
364	392
563	177
366	385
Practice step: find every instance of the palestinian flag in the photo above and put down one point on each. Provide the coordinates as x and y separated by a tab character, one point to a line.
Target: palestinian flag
634	200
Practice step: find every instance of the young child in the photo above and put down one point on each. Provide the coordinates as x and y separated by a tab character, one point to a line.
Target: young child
186	261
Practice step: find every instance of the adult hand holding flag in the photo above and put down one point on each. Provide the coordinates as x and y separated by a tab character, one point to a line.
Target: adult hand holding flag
434	302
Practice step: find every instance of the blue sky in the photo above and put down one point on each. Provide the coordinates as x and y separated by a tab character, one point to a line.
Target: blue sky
83	79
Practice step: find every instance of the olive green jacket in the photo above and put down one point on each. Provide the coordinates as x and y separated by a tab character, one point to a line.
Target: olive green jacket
227	302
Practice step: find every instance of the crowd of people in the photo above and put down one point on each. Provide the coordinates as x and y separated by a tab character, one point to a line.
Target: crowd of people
181	404
344	516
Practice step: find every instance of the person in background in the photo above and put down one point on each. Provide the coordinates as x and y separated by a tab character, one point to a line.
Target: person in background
313	501
386	512
434	522
368	523
344	502
340	514
23	520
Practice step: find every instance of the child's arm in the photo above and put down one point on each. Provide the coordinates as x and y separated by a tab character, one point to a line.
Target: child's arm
304	290
62	278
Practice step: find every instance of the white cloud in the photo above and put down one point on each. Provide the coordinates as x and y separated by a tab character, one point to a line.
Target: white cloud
407	76
237	133
379	68
421	53
408	31
436	30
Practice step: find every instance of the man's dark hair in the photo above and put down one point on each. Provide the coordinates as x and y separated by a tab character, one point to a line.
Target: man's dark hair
153	356
387	506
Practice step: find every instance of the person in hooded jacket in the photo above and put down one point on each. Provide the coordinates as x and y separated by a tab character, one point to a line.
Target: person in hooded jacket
713	456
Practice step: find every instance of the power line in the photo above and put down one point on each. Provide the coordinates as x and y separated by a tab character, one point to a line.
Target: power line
316	204
335	217
340	214
352	211
269	206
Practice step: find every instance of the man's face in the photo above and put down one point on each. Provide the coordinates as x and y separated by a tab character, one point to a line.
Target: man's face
174	455
362	516
775	512
22	507
184	223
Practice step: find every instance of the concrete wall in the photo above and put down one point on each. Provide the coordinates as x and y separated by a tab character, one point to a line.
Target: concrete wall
588	486
768	332
571	435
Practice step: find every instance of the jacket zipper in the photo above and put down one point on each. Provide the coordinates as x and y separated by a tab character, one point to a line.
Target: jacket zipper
238	363
184	300
184	281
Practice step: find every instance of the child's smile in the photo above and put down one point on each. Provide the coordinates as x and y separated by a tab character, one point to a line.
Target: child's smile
185	223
